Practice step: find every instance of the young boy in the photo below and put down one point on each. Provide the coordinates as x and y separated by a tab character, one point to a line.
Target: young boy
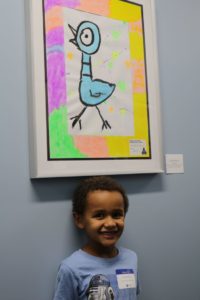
100	270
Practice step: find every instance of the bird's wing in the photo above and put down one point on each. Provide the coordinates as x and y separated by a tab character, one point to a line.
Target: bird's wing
95	94
99	88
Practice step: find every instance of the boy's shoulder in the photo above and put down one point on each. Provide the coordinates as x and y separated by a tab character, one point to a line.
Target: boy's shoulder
76	260
73	259
125	252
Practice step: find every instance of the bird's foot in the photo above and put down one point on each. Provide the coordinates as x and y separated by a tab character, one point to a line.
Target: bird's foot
105	125
76	119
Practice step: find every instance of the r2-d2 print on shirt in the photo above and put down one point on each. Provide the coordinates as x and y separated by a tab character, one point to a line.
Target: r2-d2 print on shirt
100	289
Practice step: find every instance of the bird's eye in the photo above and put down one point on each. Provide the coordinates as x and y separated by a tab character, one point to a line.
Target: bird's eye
87	37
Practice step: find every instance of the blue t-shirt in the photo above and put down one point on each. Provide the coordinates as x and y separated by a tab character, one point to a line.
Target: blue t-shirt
82	276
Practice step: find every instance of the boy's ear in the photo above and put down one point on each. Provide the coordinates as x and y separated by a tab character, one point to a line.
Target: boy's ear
78	219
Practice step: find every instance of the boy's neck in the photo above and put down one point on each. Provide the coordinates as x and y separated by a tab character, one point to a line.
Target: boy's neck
101	252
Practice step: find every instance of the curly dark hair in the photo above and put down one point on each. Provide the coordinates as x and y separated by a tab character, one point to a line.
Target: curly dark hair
104	183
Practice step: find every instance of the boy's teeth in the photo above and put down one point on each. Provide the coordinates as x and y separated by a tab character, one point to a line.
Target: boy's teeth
109	231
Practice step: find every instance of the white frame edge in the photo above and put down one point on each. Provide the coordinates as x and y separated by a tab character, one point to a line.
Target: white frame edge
40	167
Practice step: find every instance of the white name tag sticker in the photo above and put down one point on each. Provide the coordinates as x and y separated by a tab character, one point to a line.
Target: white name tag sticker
126	278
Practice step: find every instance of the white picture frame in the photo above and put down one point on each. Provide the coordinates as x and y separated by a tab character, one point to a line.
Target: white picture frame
42	165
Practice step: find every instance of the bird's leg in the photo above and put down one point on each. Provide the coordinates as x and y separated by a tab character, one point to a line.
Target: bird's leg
105	122
78	118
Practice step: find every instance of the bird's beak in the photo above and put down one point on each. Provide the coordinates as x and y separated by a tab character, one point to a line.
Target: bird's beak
74	33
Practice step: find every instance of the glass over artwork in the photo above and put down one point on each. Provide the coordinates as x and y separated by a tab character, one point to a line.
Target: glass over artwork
96	93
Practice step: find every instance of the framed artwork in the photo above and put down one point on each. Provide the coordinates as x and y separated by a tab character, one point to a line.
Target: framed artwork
93	88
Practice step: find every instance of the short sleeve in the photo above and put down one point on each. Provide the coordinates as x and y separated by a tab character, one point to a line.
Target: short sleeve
66	285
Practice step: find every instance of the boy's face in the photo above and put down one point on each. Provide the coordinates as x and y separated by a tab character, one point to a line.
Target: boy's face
102	221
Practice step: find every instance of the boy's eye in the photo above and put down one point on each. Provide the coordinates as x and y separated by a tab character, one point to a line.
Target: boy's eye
115	214
118	214
99	215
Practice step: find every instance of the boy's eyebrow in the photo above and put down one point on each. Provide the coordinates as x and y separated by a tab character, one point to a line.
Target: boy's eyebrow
98	210
104	210
120	210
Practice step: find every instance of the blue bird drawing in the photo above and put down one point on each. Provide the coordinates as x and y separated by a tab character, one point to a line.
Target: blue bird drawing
92	92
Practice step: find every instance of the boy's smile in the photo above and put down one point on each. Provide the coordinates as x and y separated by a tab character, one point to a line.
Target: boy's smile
102	221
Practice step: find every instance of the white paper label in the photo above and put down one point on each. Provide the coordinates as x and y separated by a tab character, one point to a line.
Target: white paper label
137	147
126	278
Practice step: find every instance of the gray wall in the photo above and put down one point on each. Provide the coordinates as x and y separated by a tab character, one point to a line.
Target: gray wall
163	223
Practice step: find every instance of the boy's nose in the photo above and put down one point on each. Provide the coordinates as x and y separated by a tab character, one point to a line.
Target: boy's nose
109	222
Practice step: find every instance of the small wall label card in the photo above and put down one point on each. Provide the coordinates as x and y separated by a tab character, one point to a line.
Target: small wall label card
174	163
